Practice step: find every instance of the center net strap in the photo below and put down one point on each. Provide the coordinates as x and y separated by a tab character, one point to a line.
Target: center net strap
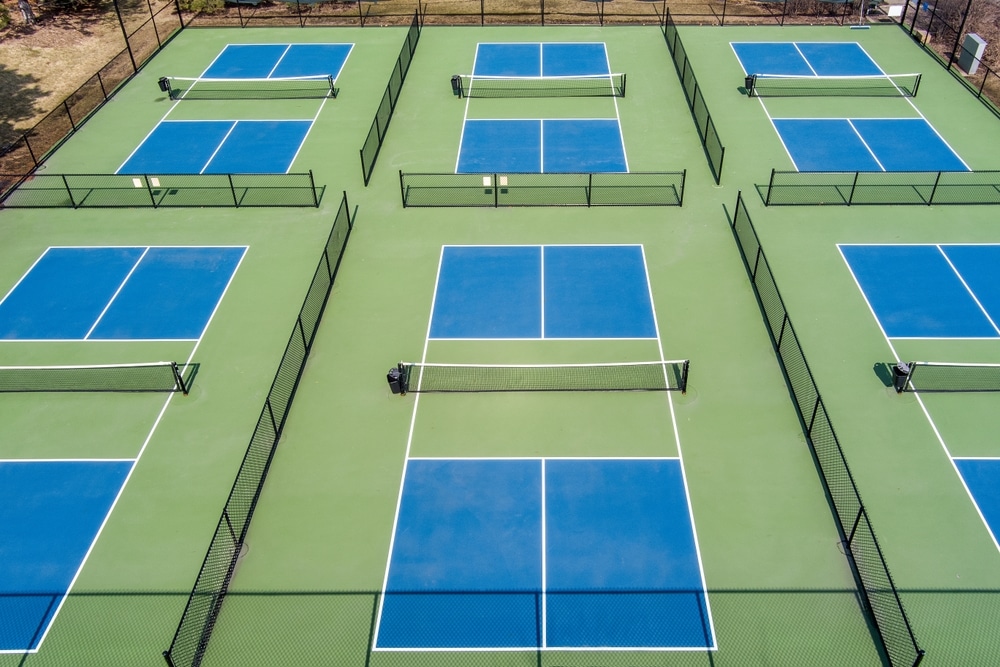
880	85
278	88
630	376
597	85
155	376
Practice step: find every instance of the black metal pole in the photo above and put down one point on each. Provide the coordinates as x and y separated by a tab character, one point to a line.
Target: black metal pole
958	36
128	47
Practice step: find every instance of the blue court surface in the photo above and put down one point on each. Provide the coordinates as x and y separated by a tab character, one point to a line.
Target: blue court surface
544	553
805	58
866	144
51	512
982	478
271	61
930	291
542	146
119	293
218	147
553	291
541	59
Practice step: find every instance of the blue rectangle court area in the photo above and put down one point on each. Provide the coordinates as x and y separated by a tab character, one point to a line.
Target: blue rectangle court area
119	293
541	59
51	512
553	291
930	291
544	553
261	61
586	145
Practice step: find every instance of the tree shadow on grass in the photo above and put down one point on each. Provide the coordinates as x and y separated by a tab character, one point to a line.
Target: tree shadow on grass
18	103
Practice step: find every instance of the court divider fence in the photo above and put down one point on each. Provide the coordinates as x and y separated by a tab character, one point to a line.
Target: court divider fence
875	585
634	188
848	188
380	125
163	191
20	158
941	39
205	602
714	150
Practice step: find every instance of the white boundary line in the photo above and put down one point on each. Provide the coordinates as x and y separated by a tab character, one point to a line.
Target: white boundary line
865	144
124	485
920	401
969	290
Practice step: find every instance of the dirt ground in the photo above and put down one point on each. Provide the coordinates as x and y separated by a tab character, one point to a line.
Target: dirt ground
41	65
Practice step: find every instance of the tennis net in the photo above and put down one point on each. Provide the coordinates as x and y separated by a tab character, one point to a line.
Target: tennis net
274	88
881	85
936	376
629	376
155	376
597	85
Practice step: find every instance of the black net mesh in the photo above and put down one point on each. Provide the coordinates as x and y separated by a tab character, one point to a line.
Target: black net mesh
158	376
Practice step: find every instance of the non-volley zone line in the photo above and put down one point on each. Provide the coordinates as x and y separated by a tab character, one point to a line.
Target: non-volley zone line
544	553
119	293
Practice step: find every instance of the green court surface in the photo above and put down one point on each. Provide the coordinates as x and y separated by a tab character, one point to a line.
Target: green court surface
307	589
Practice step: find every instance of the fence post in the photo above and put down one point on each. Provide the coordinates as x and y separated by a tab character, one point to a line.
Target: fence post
722	21
482	12
232	191
542	3
684	174
784	322
770	185
312	186
149	189
402	190
590	187
496	191
937	179
361	15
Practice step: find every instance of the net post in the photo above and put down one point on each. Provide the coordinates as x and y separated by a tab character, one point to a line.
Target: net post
623	84
333	90
937	179
684	376
178	378
854	184
404	378
69	192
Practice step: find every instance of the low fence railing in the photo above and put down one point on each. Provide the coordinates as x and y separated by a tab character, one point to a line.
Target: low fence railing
495	190
162	191
851	188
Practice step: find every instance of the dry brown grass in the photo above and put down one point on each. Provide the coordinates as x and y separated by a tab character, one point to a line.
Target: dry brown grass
41	65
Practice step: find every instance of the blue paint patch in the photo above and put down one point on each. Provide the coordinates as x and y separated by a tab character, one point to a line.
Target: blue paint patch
50	512
838	59
824	145
245	61
171	295
574	59
771	58
508	59
312	60
465	528
597	292
979	266
582	146
488	292
509	146
982	476
64	293
908	144
260	147
178	147
915	293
